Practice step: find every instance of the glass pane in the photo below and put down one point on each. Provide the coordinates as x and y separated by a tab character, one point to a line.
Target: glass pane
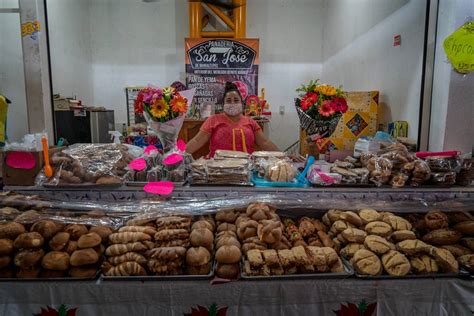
8	4
12	77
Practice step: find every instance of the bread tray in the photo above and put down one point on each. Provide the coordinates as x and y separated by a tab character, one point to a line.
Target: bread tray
49	279
462	274
182	277
338	275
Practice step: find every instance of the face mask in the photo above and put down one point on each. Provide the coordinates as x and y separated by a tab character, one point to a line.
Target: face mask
232	109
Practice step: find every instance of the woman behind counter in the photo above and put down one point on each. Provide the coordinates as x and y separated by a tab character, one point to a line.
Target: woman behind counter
231	130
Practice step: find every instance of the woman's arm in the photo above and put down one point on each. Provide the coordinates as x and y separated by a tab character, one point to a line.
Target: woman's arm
264	143
197	142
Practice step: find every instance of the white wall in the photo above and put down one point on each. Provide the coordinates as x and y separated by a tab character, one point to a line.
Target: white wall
452	109
370	61
12	78
291	33
69	37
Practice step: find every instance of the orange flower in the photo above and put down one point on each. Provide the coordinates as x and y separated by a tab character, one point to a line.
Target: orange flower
179	104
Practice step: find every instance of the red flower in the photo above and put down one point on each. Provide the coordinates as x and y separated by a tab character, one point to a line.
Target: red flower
305	103
313	96
138	105
339	105
326	108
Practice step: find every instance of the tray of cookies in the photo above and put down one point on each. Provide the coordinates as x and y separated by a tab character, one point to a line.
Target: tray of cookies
296	263
165	248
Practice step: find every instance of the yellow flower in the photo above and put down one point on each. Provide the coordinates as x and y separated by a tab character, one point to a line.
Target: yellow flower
326	90
159	109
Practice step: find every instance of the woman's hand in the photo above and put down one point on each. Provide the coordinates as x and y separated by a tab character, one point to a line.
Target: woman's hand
264	143
197	142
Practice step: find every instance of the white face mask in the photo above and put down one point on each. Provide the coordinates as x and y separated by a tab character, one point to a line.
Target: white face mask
232	109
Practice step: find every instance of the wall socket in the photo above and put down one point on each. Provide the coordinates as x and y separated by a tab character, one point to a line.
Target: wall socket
282	109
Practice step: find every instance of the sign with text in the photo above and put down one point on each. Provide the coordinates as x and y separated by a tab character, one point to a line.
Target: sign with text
459	48
212	62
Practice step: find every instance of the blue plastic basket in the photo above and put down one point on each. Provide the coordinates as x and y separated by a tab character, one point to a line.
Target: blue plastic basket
261	182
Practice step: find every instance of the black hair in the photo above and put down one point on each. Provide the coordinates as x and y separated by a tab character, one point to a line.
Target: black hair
230	87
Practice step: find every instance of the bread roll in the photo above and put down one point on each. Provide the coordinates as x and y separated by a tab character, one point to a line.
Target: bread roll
228	271
76	230
395	263
228	216
369	215
128	257
445	260
202	224
352	218
269	231
436	220
127	237
171	234
367	263
55	260
202	237
127	269
349	250
83	257
59	241
457	250
378	245
197	256
413	247
339	226
138	229
397	222
120	249
226	226
424	264
167	253
401	235
247	229
259	211
71	246
442	237
28	240
27	258
354	235
466	228
6	246
5	261
102	231
228	240
199	270
89	240
10	230
228	254
173	222
46	228
378	228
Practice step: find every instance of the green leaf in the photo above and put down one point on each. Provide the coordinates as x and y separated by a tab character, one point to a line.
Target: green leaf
213	310
362	306
62	310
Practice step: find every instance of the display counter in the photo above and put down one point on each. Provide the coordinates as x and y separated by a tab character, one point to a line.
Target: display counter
303	297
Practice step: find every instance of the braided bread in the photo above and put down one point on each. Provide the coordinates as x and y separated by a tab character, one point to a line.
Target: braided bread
128	257
126	269
141	229
120	249
125	237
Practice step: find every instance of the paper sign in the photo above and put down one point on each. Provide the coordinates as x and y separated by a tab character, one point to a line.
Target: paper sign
181	145
162	188
137	164
21	160
459	47
172	159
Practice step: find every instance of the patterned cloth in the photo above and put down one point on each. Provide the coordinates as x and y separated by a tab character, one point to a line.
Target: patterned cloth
229	135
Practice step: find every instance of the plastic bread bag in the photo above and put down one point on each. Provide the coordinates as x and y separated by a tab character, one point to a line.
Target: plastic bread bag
464	177
280	170
230	171
199	171
399	180
398	158
421	173
444	164
446	178
317	177
230	154
89	164
380	170
365	157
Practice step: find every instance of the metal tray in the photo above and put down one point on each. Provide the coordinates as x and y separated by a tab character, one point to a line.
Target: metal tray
182	277
48	279
338	275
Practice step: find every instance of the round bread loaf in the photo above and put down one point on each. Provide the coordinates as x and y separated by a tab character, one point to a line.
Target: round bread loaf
28	240
354	235
367	263
202	224
102	231
27	258
395	263
378	228
202	237
55	260
378	245
436	220
76	230
59	241
228	271
225	227
368	215
6	246
10	230
228	254
442	236
423	264
84	257
89	240
197	256
46	228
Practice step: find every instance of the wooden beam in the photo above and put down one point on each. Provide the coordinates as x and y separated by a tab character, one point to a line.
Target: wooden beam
240	17
195	19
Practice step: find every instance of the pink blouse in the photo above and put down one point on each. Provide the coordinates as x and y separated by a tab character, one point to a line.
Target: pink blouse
229	135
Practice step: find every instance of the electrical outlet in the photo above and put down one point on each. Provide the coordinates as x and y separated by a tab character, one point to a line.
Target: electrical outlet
282	109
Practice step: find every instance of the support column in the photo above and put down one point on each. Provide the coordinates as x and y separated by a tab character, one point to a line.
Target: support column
195	19
36	66
240	17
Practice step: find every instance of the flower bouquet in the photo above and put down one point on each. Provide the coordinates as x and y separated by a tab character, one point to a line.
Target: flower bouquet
164	111
319	107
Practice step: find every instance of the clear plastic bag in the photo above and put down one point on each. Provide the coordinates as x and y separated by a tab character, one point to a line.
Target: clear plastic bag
317	177
88	164
280	170
199	171
444	164
421	173
380	170
447	178
229	171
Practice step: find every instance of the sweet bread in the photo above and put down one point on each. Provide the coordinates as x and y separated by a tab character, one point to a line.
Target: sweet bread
395	263
126	269
120	249
127	237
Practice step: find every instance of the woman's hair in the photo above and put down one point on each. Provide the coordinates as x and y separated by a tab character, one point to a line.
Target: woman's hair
230	87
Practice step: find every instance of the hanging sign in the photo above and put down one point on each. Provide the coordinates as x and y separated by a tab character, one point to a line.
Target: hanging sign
212	62
459	48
